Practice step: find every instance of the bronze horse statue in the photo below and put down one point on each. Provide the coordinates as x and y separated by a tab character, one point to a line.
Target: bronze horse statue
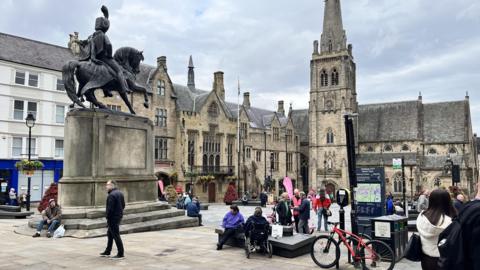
92	76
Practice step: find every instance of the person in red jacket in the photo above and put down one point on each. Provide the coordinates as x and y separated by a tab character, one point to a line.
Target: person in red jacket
320	206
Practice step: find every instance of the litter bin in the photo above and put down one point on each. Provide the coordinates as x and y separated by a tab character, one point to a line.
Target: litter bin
393	230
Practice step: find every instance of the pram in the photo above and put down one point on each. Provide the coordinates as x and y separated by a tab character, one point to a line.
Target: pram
257	239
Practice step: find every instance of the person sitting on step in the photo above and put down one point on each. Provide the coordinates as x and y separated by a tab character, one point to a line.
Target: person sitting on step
50	216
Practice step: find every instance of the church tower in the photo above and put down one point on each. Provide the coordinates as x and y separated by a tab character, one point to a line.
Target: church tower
332	95
191	74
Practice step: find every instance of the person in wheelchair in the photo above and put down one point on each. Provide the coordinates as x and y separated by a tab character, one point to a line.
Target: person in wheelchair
257	230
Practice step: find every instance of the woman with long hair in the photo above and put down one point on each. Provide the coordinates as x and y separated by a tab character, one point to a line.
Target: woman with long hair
431	222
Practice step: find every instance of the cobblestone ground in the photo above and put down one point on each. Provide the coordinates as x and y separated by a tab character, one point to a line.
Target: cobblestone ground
190	248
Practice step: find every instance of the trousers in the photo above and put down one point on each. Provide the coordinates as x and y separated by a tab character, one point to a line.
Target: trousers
113	234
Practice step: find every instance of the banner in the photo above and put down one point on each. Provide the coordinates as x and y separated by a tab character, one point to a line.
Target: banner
160	185
287	183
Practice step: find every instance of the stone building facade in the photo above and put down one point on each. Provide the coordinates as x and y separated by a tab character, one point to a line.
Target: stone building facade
425	134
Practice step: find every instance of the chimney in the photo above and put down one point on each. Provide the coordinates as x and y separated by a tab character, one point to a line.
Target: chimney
73	43
162	62
218	86
281	109
246	100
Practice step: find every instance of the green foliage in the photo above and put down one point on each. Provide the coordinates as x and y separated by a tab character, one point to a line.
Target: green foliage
171	194
25	165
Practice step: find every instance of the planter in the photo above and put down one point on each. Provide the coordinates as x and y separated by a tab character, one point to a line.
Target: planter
29	173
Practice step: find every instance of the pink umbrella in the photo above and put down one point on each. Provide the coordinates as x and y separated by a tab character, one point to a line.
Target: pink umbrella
287	183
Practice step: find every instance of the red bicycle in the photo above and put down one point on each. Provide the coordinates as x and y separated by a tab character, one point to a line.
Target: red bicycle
371	254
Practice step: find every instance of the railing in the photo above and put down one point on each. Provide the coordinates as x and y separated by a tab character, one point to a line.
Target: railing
212	170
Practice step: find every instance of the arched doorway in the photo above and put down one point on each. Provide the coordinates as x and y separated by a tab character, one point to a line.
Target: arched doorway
165	178
211	192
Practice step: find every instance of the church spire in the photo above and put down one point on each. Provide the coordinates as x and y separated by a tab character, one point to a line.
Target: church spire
333	37
191	74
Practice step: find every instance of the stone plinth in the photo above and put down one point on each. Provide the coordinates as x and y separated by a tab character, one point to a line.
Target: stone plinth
101	145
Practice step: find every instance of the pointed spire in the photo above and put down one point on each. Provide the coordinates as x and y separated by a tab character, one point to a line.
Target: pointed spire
191	74
333	37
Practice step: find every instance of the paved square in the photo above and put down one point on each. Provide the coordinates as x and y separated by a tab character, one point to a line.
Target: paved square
190	248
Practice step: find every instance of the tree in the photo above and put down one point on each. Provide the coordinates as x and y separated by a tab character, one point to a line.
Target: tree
171	194
230	194
51	193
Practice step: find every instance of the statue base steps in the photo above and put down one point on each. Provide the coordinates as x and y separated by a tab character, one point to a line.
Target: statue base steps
139	217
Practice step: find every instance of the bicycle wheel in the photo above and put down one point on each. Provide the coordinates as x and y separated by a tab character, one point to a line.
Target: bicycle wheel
353	242
377	255
325	251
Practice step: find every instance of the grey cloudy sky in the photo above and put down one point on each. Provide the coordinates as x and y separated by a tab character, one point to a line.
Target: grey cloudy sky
401	47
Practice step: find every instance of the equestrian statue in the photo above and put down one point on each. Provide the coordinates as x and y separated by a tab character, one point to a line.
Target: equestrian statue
98	69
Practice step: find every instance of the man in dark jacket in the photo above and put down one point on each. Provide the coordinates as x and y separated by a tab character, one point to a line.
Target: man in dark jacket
114	212
193	210
304	216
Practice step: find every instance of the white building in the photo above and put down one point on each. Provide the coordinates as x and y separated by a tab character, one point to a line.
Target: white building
30	81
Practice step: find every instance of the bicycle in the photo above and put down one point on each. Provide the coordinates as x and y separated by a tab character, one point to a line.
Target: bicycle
372	254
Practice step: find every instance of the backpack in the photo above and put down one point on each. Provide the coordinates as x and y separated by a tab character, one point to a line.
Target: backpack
181	203
452	242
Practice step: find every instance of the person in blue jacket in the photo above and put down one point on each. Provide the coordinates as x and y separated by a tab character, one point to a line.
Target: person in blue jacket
193	210
390	206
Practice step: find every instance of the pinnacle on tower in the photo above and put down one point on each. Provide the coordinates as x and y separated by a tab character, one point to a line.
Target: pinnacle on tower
191	74
333	37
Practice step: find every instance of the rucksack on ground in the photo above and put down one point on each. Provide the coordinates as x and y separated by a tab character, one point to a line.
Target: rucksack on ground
452	241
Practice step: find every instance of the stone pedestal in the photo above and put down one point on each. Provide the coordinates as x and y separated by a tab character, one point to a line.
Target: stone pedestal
101	145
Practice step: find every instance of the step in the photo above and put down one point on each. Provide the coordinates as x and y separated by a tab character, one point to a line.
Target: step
12	215
10	208
96	223
73	213
152	225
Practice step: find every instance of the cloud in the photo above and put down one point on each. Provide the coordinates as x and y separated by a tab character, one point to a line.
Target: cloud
401	47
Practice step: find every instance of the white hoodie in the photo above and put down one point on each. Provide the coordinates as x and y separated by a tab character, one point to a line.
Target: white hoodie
429	233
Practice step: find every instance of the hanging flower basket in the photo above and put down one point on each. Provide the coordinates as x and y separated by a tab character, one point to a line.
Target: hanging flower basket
28	167
230	178
206	179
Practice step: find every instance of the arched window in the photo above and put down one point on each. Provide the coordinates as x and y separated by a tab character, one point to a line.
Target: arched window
388	148
334	77
432	151
405	148
330	46
453	151
323	78
213	110
370	149
397	183
330	136
217	163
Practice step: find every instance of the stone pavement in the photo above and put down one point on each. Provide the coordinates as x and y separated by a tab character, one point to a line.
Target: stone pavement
190	248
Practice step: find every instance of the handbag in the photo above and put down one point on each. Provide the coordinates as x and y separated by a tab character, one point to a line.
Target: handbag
414	251
327	212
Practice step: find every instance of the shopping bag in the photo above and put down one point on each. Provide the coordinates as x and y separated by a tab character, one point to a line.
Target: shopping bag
59	232
277	231
414	251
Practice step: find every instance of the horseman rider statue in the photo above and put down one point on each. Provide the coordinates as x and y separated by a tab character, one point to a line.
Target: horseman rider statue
98	50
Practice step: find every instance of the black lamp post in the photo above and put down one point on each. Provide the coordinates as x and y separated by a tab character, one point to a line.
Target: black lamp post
30	122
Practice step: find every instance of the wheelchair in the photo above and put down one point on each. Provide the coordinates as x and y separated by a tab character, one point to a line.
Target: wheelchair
257	240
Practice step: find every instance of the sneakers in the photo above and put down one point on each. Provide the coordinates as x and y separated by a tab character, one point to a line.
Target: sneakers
219	247
36	235
118	257
105	254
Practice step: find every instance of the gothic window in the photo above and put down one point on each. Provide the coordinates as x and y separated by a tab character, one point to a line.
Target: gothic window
334	77
330	136
230	151
243	130
370	149
289	162
161	117
161	148
248	152
432	151
211	150
258	157
289	135
213	110
452	151
397	183
274	161
191	150
323	78
330	46
388	148
161	88
405	148
276	134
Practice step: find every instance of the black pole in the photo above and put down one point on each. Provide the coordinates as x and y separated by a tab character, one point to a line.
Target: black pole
29	158
238	165
191	177
265	156
351	170
405	206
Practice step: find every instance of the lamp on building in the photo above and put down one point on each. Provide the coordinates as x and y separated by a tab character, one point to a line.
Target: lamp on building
30	122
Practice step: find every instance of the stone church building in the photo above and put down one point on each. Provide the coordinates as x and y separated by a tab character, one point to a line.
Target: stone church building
425	134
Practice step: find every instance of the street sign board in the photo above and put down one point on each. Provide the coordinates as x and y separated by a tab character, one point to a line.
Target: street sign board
397	163
370	192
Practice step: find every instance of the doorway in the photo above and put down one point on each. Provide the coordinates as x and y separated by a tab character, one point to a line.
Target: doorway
211	192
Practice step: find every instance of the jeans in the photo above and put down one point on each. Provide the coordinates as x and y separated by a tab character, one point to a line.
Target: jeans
113	233
199	218
303	226
325	220
229	233
51	228
296	218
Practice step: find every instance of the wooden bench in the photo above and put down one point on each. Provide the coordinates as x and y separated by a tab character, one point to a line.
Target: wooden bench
292	246
237	241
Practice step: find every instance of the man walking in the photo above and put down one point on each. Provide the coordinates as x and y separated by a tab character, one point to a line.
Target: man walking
114	212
